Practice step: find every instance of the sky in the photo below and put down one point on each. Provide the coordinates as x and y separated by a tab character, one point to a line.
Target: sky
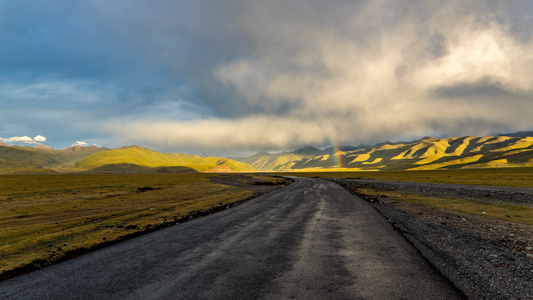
236	77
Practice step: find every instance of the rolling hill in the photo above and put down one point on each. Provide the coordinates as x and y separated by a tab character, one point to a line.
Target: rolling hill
44	159
40	158
428	153
136	158
510	150
45	156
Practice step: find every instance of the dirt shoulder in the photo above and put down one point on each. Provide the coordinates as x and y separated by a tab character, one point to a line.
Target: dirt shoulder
484	257
515	236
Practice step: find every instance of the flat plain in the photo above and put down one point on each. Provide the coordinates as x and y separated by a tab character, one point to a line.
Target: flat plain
45	219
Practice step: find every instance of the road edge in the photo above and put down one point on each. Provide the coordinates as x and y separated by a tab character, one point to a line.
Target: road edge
479	268
43	263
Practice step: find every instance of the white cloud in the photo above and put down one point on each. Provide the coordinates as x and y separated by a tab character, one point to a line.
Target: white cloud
18	139
473	54
24	139
80	143
39	139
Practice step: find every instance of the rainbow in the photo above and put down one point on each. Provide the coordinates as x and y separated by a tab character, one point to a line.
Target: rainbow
334	140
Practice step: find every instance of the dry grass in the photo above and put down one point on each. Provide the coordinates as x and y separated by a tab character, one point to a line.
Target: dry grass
42	217
522	214
516	177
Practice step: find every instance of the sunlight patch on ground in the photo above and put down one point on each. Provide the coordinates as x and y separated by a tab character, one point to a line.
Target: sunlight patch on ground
375	161
361	157
465	160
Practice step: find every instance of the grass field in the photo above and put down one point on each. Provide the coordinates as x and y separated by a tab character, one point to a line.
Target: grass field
517	177
522	214
44	217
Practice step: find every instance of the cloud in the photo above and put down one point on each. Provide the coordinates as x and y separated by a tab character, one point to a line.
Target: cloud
18	139
252	133
250	74
39	139
79	143
24	139
367	71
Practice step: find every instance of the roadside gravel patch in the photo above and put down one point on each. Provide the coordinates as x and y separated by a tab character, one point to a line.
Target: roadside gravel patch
514	195
478	267
458	247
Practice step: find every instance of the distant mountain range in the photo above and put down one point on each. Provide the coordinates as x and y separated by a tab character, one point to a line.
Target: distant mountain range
507	150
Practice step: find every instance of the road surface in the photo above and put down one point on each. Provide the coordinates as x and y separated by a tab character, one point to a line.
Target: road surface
309	240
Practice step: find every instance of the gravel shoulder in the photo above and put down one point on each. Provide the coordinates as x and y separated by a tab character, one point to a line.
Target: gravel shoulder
485	258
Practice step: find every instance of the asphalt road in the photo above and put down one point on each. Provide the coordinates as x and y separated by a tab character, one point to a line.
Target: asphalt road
309	240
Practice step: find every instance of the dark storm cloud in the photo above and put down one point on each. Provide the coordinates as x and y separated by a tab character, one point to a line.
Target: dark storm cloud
263	75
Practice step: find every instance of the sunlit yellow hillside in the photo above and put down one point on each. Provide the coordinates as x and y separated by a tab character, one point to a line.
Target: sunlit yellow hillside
515	150
425	154
143	157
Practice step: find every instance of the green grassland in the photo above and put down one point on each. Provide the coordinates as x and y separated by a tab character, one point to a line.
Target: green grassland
44	217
